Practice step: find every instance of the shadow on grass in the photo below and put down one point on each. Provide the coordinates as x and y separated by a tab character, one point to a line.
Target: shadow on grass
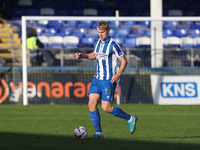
18	141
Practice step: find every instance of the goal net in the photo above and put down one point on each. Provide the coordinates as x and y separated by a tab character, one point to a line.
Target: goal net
53	75
10	63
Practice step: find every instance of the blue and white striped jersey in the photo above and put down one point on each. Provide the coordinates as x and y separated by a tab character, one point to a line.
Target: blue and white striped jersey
106	55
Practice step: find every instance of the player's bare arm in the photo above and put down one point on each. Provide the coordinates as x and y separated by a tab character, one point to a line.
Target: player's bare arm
116	77
86	56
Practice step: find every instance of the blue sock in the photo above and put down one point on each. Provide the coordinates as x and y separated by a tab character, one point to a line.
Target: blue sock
120	113
95	118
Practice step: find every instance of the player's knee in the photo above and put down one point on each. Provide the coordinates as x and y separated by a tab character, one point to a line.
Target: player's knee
92	106
105	108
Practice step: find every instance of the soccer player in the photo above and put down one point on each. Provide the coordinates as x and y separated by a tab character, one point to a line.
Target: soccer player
103	85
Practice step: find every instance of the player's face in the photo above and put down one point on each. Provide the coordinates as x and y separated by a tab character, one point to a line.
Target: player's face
103	34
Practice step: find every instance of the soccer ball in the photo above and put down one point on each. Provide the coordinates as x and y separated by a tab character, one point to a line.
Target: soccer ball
80	133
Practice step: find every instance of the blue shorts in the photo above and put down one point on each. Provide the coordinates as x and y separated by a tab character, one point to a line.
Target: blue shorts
104	88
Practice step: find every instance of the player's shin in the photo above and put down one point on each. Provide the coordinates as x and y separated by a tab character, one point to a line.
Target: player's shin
120	113
95	118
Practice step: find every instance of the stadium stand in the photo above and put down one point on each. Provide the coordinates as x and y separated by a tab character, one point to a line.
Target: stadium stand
92	33
25	3
45	40
123	33
175	12
86	42
186	42
180	32
130	43
120	41
10	46
167	32
172	42
70	41
56	42
197	42
143	42
90	12
47	12
193	32
129	31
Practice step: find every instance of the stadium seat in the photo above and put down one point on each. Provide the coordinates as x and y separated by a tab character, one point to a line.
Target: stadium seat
47	11
193	33
185	24
175	12
135	32
167	32
86	42
129	24
56	23
85	24
123	33
120	41
180	32
42	23
170	24
92	33
90	12
56	42
80	32
64	32
197	42
70	23
186	42
129	43
44	40
143	42
143	23
70	41
172	42
25	3
50	32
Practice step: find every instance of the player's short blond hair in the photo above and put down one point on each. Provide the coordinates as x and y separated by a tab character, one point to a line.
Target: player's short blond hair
102	25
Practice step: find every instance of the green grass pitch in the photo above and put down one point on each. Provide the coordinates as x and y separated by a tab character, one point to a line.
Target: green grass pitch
50	127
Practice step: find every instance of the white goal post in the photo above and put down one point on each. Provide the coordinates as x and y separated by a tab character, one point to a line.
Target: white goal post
82	18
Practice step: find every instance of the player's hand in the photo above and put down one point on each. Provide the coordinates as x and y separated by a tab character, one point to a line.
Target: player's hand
78	55
115	78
